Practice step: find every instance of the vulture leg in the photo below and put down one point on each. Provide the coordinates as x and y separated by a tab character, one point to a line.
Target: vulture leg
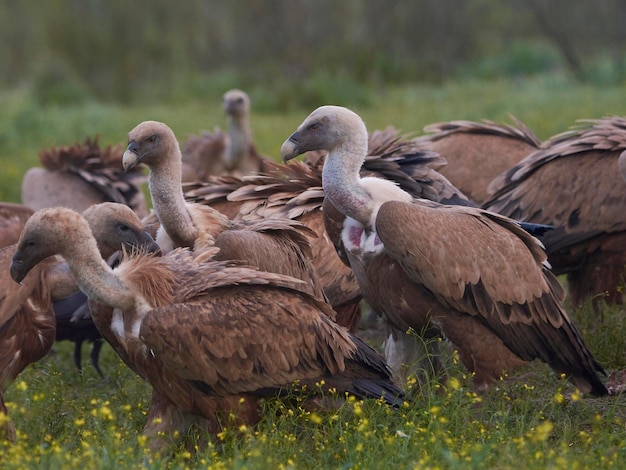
95	355
78	345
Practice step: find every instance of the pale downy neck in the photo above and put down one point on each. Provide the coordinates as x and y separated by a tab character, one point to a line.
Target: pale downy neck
240	136
169	201
94	276
341	180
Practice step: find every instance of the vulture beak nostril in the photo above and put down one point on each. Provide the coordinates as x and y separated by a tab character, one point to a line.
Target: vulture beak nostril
133	147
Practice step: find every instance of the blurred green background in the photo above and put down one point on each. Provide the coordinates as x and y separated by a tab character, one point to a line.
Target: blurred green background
298	51
73	68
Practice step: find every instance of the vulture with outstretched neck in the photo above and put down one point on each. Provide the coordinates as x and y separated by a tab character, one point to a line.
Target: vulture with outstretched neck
475	275
27	321
217	153
576	184
275	245
211	337
477	152
12	219
81	175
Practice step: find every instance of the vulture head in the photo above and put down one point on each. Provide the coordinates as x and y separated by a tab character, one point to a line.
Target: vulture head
328	128
151	142
50	231
236	104
115	225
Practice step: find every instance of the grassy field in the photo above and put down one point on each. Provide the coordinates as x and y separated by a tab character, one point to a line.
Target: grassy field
539	421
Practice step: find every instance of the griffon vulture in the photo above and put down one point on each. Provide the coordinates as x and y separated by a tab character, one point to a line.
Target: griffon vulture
211	337
27	321
276	245
478	151
81	175
576	184
295	192
219	153
475	275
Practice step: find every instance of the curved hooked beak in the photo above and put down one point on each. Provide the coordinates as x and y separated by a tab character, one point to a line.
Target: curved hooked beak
291	147
18	269
131	156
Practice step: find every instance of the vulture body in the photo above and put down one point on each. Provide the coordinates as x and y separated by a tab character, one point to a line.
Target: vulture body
211	337
575	183
81	175
27	320
478	151
475	276
12	220
219	153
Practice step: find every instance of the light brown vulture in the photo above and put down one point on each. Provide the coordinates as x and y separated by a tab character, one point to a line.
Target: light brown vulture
478	151
80	175
217	153
276	245
211	337
12	220
475	275
27	321
576	184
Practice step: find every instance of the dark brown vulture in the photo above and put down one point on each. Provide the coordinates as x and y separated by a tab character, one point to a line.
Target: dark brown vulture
478	151
27	322
575	184
81	175
217	153
12	220
211	337
475	275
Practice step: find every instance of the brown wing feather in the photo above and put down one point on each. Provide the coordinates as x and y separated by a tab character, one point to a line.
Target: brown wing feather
500	280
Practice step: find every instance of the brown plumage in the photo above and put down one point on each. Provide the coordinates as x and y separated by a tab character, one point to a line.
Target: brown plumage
80	175
575	183
475	275
478	151
211	337
27	321
275	245
217	153
295	192
12	220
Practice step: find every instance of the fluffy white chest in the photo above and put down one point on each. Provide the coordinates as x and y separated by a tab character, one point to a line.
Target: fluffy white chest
358	239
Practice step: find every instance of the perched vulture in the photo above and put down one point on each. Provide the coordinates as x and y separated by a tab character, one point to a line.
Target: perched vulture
27	321
217	153
276	245
478	151
476	276
12	220
211	337
576	184
81	175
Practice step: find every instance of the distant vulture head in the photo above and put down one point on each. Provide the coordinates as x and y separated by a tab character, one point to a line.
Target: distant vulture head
326	128
236	103
151	142
115	225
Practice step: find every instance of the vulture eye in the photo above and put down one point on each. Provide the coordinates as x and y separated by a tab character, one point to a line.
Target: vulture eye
315	127
124	228
152	139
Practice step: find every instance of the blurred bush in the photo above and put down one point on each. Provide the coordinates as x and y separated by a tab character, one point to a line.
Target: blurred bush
297	51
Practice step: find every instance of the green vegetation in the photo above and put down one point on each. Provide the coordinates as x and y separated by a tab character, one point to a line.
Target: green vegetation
68	421
538	421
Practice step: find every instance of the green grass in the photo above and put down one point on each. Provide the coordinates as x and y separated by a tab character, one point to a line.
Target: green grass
68	421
